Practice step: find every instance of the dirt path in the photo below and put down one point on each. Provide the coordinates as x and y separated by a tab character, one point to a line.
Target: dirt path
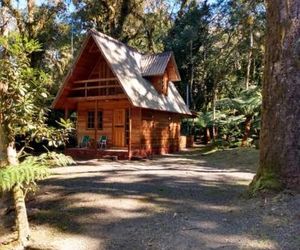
184	201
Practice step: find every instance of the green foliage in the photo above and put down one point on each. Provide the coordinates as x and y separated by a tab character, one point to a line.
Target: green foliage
248	103
25	88
212	43
231	115
23	112
24	94
54	159
31	169
26	172
188	39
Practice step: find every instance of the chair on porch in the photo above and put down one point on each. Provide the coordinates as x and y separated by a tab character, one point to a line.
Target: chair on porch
102	143
84	141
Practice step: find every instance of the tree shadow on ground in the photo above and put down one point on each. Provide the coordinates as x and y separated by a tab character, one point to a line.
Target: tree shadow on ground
156	204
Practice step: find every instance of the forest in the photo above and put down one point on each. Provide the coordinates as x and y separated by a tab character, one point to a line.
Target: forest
218	46
238	62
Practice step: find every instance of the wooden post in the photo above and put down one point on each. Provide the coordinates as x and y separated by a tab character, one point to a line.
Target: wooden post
96	123
66	113
129	135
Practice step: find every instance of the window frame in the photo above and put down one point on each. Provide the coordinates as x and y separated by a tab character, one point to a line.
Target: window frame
90	121
100	121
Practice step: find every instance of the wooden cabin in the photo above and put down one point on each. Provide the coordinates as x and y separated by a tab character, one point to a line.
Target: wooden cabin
124	95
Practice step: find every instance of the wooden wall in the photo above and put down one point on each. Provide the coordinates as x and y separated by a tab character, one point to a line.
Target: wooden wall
107	107
160	132
136	114
152	132
160	83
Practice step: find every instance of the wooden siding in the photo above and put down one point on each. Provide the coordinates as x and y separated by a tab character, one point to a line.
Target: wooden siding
160	132
136	120
152	132
160	83
107	107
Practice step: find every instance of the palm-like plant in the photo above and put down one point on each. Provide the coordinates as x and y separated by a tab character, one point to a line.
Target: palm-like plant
246	107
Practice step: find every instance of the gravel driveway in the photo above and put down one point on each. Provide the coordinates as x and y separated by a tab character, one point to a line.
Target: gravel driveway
180	201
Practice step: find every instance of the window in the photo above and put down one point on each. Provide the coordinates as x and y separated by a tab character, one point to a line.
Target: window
91	119
100	120
127	126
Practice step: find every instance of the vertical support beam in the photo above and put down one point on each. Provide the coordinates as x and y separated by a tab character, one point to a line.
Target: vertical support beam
129	135
66	113
96	123
141	131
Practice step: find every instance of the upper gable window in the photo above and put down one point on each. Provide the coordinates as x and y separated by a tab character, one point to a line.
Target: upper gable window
160	83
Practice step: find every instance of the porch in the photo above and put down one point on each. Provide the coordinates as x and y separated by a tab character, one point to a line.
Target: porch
115	120
93	153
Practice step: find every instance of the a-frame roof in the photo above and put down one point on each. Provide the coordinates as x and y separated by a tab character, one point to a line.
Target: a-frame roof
156	64
125	63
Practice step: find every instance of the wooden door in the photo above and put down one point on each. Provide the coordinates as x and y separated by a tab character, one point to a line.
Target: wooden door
119	127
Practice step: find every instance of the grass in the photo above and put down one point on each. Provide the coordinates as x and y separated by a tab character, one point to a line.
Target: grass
245	159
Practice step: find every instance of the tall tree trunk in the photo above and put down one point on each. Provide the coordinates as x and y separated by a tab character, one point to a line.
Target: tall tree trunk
279	141
3	146
19	200
207	135
9	157
247	131
247	81
190	93
21	215
214	112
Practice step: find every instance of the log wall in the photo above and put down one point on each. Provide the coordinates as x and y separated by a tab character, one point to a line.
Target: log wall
160	132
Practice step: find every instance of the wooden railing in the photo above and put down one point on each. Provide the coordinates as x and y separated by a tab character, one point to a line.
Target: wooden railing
97	80
96	87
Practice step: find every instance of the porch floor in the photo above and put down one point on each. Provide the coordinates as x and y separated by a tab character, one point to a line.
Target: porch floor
92	153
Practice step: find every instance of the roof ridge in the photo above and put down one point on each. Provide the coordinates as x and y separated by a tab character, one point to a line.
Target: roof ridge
96	32
157	54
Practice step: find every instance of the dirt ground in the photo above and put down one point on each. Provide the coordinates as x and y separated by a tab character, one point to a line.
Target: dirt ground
179	201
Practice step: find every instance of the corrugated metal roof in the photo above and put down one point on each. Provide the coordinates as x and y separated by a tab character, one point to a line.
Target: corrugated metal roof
155	64
125	62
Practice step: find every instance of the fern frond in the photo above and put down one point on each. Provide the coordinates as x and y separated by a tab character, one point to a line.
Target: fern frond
53	159
25	173
33	168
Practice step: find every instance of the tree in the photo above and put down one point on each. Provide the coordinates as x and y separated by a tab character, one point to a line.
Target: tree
110	17
279	141
188	39
246	106
23	94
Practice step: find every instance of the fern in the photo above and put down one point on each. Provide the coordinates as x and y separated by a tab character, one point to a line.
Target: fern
53	159
33	168
26	172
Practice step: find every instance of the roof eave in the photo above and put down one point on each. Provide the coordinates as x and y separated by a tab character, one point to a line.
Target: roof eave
67	77
176	68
